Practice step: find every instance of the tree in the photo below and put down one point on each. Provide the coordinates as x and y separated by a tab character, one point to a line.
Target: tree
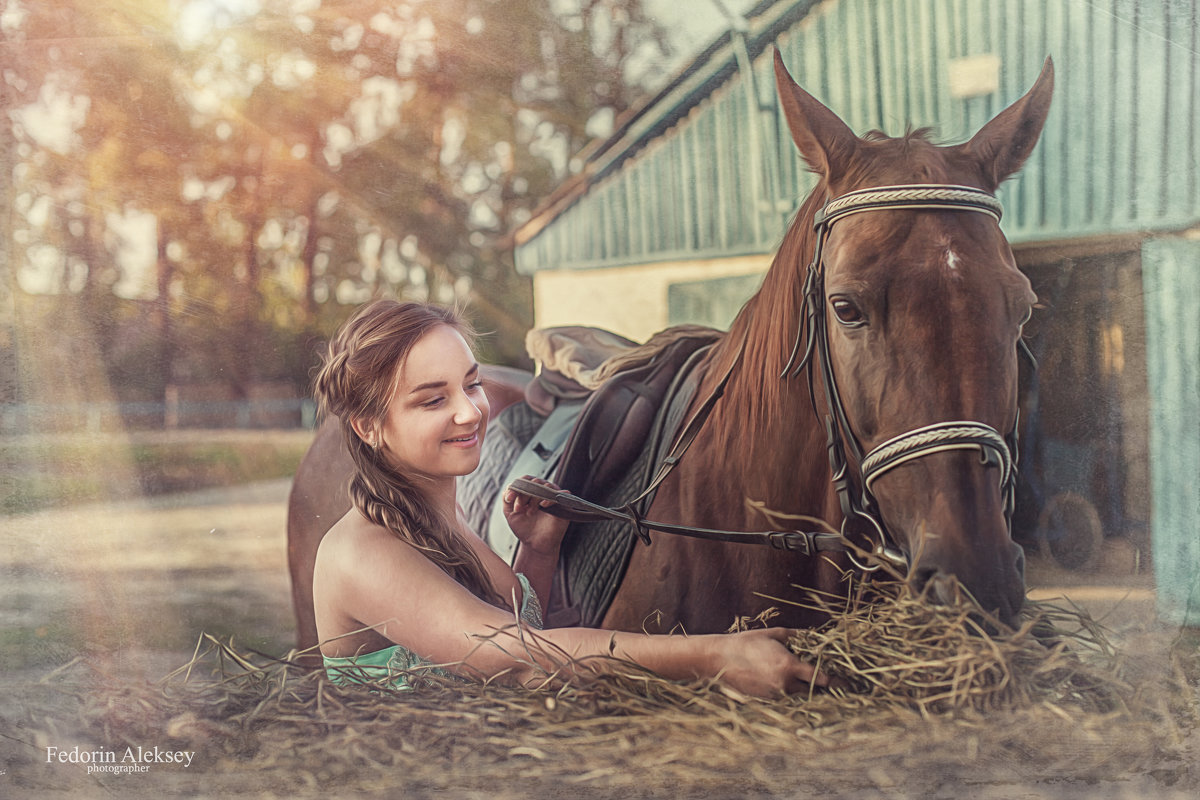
296	162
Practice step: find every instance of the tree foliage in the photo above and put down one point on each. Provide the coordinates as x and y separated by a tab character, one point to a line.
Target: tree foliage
212	185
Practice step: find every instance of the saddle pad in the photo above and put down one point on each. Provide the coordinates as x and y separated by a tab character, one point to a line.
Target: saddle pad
576	352
595	555
539	457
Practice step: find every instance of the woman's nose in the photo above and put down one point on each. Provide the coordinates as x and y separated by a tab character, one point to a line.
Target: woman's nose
467	410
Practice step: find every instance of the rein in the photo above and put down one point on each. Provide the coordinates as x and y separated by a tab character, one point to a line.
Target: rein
858	503
566	505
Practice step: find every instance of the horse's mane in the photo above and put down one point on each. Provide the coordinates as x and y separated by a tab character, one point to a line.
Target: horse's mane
763	333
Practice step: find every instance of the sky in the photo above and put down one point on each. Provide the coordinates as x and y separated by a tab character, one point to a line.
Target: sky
693	24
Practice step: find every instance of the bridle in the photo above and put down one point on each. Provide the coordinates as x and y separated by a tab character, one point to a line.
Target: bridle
859	506
858	503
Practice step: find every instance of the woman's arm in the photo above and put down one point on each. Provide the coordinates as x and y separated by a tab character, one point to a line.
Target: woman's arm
411	602
755	662
540	535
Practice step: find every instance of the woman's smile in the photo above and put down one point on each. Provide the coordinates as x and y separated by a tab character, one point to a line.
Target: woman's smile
437	418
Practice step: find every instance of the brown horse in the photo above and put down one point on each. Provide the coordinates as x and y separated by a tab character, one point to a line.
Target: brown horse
922	310
908	314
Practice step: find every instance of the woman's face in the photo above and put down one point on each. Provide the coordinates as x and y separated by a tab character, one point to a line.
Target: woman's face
438	414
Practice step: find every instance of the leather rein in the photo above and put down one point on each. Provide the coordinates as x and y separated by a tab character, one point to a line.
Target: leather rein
857	500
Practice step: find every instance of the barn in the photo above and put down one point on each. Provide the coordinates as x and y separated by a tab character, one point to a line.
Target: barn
675	216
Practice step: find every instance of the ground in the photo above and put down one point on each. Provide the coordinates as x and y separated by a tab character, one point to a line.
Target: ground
130	586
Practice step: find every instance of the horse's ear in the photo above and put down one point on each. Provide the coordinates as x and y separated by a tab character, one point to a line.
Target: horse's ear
826	143
1001	146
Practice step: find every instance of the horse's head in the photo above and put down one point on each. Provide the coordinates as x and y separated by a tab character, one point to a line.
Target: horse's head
922	309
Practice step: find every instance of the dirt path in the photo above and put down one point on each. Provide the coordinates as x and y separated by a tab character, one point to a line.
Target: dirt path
136	582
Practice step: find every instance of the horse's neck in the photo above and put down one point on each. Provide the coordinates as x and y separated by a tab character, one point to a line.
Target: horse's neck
765	427
764	443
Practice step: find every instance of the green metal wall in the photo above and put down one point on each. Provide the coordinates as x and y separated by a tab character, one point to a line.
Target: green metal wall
1171	277
714	302
1119	153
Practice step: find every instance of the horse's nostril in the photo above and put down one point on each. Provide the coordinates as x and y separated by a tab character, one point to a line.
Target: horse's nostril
920	576
945	589
938	587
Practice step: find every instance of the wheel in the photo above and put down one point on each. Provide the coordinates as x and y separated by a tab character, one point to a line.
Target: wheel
1069	531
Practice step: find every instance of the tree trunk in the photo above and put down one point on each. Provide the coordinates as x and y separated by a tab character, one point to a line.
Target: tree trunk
308	257
162	312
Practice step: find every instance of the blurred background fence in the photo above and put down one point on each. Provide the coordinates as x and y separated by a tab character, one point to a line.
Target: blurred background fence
214	406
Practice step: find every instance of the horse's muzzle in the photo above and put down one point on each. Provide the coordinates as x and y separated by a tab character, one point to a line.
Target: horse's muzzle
999	591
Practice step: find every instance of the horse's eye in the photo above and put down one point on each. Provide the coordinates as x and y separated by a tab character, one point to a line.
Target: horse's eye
847	313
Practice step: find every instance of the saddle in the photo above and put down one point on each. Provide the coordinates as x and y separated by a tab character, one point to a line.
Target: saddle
637	403
616	420
596	420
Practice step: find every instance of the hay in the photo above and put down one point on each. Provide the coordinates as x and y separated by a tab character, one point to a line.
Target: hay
928	699
892	647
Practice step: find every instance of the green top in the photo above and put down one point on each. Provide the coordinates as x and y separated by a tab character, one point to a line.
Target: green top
395	662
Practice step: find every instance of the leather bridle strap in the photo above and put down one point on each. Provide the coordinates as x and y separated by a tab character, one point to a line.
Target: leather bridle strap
576	509
844	449
925	197
937	438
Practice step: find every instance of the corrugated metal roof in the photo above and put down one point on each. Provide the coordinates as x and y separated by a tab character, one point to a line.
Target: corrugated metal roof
680	178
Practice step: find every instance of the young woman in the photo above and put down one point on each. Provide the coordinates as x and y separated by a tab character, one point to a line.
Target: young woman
400	582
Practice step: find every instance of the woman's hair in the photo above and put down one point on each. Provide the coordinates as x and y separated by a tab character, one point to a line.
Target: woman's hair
356	382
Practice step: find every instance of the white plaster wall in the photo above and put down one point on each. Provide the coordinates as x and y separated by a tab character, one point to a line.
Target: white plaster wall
631	301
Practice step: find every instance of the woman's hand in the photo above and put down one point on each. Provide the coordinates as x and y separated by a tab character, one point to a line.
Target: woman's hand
537	531
759	663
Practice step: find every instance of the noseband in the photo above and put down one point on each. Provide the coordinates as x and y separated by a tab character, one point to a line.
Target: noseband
858	501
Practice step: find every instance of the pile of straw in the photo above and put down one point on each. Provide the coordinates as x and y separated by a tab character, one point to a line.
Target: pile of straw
893	647
929	698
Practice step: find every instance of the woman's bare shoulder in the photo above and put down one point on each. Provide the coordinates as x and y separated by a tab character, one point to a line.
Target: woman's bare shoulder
354	541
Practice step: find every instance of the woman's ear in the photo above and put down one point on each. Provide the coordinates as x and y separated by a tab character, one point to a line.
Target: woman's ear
366	431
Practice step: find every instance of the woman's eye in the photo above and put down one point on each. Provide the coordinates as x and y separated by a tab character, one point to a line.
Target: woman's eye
847	313
434	403
474	387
